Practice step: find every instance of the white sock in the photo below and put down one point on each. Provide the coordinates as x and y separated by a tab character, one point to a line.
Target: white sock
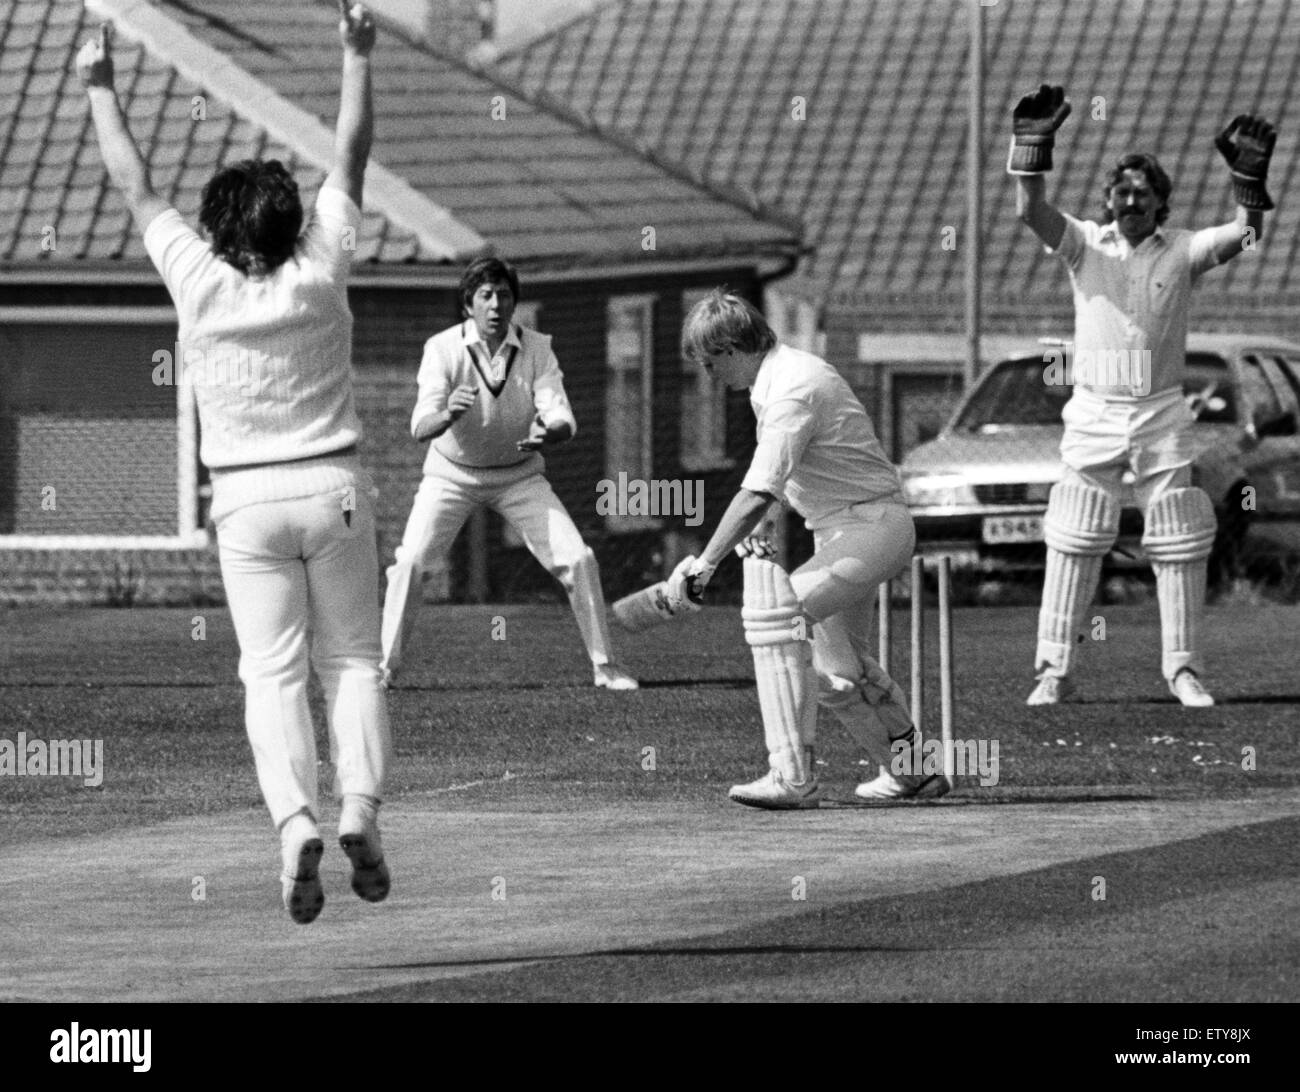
360	815
298	828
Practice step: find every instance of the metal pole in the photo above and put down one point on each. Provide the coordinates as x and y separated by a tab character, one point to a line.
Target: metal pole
918	644
945	668
974	195
885	625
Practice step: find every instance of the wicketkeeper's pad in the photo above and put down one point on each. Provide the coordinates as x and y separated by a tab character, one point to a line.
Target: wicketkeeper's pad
1179	535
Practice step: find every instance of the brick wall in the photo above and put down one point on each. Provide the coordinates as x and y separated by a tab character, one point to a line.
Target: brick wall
110	578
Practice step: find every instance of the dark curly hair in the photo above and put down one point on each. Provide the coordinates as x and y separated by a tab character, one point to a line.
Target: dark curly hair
486	271
1148	165
252	213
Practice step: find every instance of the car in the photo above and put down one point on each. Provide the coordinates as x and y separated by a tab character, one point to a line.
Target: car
978	491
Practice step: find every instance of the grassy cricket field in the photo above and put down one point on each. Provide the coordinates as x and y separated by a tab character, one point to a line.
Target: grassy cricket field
549	841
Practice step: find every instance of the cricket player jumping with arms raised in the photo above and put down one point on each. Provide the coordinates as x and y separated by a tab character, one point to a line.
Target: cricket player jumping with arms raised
817	451
291	502
1131	279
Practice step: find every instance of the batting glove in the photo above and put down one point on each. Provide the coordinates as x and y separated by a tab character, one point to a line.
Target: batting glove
1247	145
758	544
1034	122
687	583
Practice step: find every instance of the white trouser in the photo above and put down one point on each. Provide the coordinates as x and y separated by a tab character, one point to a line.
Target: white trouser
444	502
301	578
837	587
1151	436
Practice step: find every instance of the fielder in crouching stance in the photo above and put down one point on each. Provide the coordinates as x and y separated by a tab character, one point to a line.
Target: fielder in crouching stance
491	395
1131	279
818	452
292	504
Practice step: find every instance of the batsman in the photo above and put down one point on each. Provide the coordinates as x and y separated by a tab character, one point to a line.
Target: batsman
1132	279
809	629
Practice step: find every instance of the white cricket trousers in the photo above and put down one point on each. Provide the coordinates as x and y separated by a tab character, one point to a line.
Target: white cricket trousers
524	498
302	581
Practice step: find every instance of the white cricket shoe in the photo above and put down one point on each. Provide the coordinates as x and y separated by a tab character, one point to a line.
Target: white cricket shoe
613	677
1186	687
301	850
359	839
1051	690
775	792
908	787
388	679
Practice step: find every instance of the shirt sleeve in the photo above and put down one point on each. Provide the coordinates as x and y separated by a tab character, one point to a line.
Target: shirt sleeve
1201	253
333	232
178	253
549	397
433	381
1074	241
784	430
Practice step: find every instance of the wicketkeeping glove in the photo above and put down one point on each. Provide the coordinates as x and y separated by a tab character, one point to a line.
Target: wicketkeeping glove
1034	122
1247	145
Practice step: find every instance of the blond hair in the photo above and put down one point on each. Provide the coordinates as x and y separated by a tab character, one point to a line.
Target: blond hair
724	321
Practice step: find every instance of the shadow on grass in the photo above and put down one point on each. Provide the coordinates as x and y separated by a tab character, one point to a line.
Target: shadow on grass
1154	898
958	799
1169	699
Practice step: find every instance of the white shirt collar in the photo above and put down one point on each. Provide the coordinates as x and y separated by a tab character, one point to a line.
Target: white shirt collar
1110	233
469	335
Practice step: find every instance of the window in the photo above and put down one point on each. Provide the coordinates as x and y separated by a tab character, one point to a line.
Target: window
526	315
98	446
1260	398
1290	372
704	410
1269	394
629	355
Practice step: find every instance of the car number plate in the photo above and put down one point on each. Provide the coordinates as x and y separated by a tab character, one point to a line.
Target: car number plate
1000	529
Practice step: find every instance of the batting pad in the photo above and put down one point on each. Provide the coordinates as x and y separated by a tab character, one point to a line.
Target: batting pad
1081	525
787	687
1179	535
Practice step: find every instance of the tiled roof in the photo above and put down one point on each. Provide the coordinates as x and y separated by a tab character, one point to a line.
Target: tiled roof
541	187
877	169
51	174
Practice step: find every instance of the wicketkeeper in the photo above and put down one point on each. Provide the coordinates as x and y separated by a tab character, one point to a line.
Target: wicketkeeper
817	452
1131	278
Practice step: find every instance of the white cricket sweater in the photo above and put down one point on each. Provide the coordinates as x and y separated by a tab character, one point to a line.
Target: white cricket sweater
486	434
268	360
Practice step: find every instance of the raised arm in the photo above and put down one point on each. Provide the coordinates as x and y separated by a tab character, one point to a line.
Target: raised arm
1247	145
1034	122
1035	210
122	159
356	124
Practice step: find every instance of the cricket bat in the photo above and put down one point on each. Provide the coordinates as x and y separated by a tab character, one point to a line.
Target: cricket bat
647	608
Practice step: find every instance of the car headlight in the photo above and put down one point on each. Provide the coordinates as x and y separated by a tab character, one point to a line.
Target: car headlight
922	490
